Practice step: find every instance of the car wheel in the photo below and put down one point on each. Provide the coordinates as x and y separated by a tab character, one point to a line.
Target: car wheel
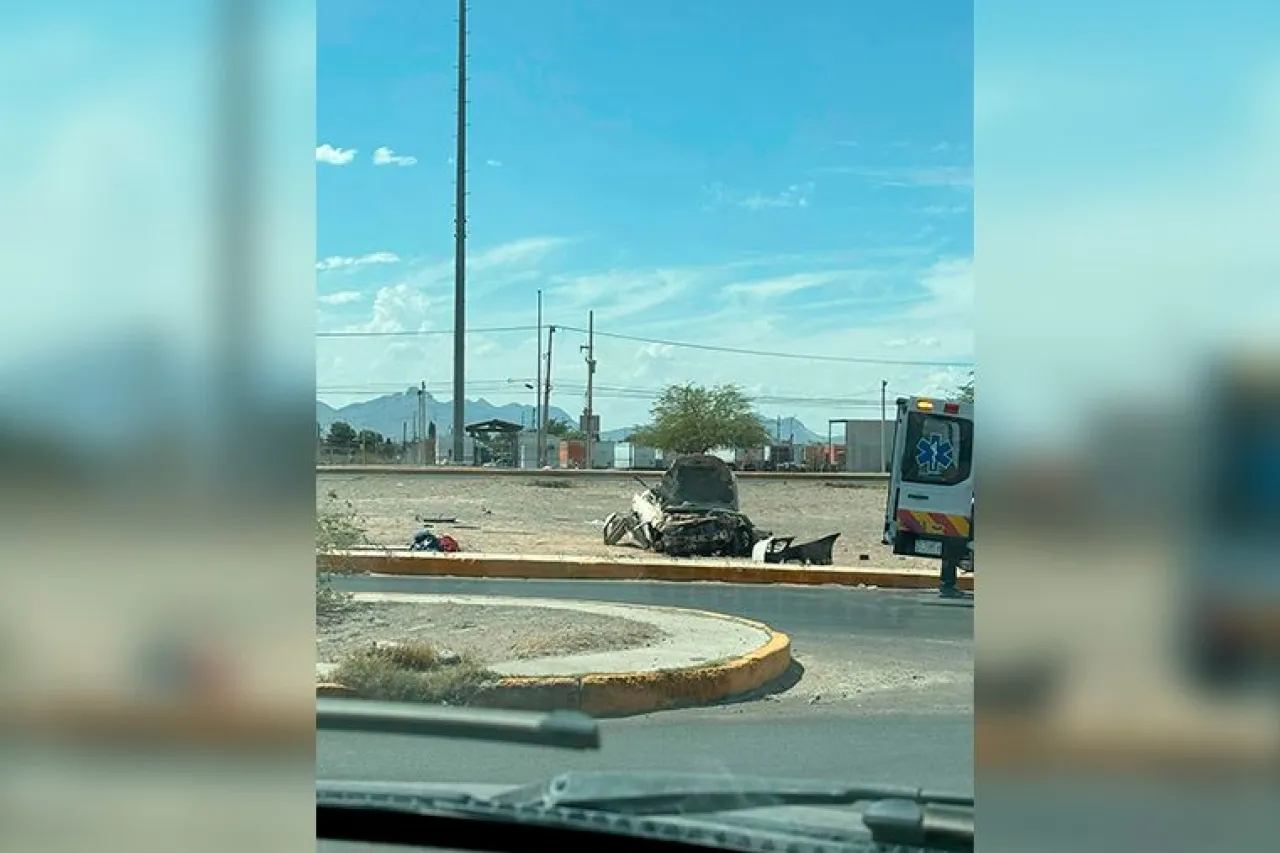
615	527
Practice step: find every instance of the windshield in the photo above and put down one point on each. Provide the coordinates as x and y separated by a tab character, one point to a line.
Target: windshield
704	249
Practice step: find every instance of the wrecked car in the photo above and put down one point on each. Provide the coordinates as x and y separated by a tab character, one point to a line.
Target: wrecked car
692	512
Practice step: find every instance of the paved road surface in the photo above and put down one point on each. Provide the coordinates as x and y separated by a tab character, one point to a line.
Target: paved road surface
882	691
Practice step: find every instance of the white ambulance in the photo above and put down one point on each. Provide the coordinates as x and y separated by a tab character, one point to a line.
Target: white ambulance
929	512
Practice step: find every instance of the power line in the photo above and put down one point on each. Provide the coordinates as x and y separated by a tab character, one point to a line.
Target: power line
836	359
618	393
773	354
416	333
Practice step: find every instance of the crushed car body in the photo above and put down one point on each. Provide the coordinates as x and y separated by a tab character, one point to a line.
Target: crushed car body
694	512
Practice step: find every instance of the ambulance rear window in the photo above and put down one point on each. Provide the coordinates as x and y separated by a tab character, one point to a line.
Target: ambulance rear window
939	449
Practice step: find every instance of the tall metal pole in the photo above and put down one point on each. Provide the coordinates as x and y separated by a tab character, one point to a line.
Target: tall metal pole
546	388
460	247
591	370
541	454
422	424
884	420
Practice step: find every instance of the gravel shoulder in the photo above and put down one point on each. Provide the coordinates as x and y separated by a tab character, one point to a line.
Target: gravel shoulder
490	634
506	515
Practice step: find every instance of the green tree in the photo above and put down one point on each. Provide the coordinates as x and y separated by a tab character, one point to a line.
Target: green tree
965	392
368	439
342	436
565	430
693	419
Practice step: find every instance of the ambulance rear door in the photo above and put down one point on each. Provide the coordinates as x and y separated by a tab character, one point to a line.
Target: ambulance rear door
932	484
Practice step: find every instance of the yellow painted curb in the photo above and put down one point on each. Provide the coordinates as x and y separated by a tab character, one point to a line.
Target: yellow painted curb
330	689
525	567
622	694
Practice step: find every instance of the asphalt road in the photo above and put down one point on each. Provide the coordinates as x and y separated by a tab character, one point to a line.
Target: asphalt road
882	692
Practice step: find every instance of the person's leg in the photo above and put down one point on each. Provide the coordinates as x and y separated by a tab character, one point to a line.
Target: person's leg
950	568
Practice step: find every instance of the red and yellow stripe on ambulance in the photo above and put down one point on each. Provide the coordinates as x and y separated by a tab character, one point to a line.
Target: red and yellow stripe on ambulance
933	523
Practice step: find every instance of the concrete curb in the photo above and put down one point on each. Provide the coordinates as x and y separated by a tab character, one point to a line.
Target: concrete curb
599	474
624	694
529	567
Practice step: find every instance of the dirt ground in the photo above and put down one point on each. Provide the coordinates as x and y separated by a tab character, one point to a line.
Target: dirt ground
490	634
516	515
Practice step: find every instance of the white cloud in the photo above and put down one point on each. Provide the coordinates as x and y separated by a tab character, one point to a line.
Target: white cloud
796	195
780	286
955	177
494	163
527	251
344	297
400	308
334	262
678	304
949	283
945	209
384	156
897	343
334	156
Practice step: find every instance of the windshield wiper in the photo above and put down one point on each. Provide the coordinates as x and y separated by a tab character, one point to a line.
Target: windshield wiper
893	814
559	729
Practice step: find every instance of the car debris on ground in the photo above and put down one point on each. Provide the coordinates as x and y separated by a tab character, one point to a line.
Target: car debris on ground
694	512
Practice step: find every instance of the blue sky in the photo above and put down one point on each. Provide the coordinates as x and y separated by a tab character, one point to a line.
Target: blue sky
718	172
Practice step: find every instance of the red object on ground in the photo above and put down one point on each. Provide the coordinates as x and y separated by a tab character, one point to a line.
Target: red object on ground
449	545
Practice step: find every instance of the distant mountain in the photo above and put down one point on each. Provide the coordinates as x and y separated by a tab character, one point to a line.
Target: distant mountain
791	429
782	430
390	413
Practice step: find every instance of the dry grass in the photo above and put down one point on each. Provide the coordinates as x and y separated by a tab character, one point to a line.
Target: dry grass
412	672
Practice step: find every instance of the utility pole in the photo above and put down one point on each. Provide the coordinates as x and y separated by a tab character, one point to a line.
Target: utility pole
422	424
540	454
590	428
884	421
460	246
546	391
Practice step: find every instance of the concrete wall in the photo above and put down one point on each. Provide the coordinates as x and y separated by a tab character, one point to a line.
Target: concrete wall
862	453
634	456
529	450
603	454
444	447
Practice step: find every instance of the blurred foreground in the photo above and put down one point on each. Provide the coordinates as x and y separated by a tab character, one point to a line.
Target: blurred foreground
155	373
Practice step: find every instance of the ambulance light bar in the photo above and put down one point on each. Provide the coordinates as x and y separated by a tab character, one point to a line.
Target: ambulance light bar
928	406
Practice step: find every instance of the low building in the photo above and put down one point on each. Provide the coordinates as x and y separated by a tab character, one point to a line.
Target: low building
634	457
863	453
